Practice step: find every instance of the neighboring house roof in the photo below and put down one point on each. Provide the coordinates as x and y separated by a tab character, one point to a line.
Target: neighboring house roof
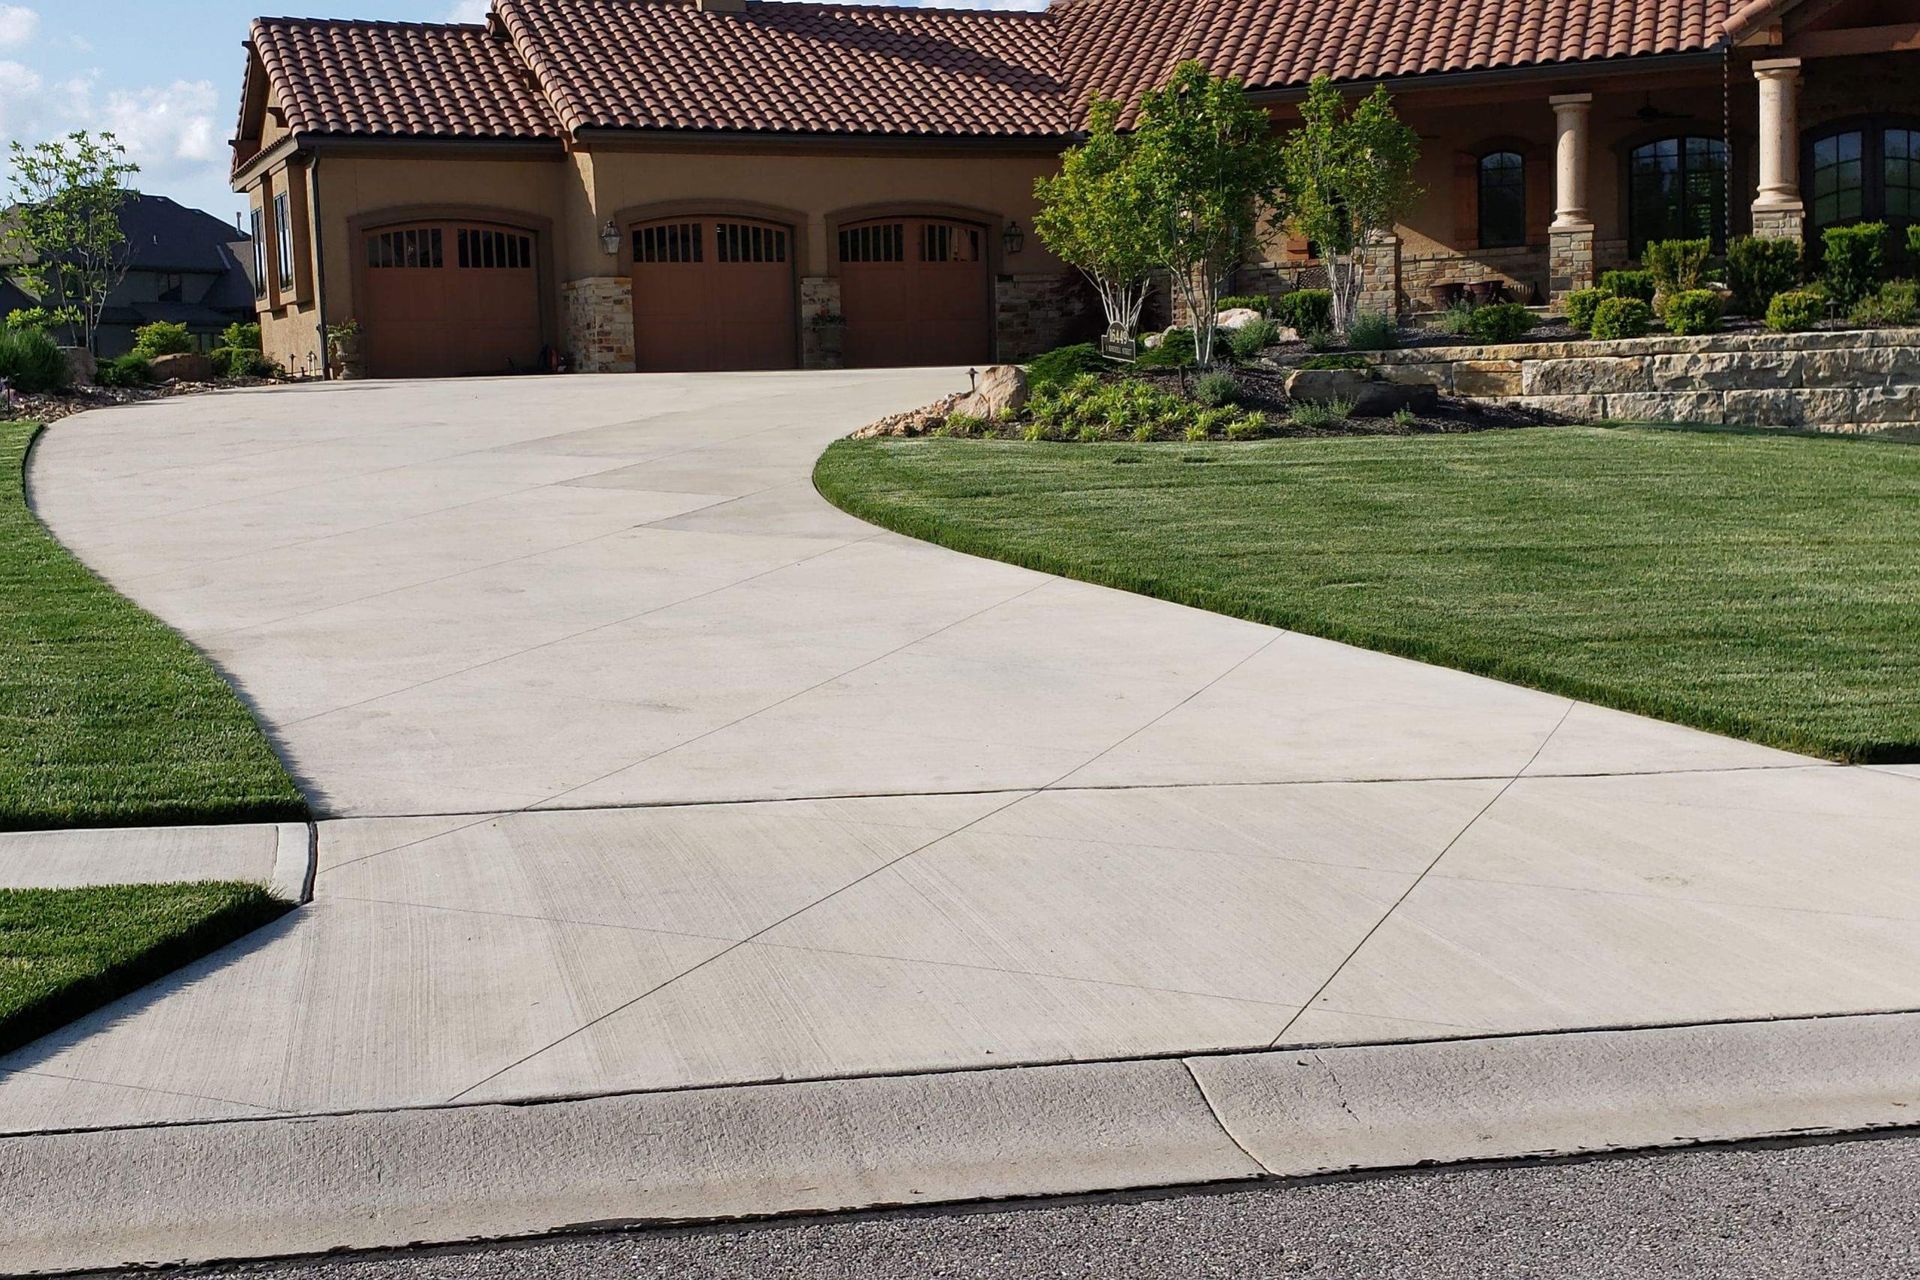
165	235
791	68
542	67
399	79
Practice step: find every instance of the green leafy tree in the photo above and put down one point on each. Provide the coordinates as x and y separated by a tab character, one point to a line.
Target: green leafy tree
1349	179
62	234
1209	163
1094	216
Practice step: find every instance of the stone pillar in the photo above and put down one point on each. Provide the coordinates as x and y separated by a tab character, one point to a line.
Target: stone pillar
1777	208
599	324
1379	260
822	328
1570	238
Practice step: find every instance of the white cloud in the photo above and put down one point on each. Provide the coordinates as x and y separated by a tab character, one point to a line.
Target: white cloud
18	24
19	97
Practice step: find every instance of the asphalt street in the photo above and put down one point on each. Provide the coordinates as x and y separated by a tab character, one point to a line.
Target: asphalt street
1842	1209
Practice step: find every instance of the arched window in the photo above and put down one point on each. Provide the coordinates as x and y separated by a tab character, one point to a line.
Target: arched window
1677	190
1503	200
1864	171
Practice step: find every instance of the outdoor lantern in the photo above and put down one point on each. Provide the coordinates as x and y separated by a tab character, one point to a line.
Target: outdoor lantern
1013	237
610	239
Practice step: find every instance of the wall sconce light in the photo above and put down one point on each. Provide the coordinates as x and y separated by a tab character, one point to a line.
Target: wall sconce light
1013	239
610	239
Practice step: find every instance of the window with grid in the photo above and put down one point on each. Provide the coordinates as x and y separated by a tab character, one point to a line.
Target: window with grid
670	242
1839	178
259	253
882	242
1900	169
945	242
1503	200
484	249
1677	190
746	242
413	248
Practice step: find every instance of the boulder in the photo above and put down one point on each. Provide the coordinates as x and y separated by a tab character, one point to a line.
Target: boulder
1370	397
1001	389
1237	318
184	366
81	366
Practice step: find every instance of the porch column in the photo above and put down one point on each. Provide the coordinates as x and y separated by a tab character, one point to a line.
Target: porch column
1570	238
1777	208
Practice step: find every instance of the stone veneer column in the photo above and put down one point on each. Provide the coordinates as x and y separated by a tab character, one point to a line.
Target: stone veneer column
1380	278
820	346
599	324
1570	239
1777	208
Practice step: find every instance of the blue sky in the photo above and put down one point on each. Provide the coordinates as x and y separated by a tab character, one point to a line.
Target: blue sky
164	75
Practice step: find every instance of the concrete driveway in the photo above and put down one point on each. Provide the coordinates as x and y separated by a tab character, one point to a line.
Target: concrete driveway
642	768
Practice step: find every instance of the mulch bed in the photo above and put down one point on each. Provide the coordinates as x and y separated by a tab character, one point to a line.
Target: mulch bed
52	408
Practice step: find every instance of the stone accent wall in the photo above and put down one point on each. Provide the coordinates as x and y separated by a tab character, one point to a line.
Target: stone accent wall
1780	224
820	345
599	324
1034	314
1380	278
1570	261
1522	269
1856	381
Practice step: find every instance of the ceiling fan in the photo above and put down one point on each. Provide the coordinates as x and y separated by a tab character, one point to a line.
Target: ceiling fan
1653	115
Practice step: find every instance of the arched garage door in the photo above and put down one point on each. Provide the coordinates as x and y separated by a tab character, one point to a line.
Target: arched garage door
445	299
915	292
713	293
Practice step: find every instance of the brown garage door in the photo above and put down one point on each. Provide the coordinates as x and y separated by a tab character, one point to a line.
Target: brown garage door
713	293
445	299
915	292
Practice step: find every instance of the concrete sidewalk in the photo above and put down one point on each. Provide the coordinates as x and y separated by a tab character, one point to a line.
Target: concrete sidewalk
644	770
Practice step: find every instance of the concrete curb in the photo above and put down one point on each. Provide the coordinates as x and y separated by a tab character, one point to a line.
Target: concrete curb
259	1188
296	858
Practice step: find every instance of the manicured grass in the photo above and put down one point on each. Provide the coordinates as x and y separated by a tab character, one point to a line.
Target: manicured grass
65	952
106	716
1765	586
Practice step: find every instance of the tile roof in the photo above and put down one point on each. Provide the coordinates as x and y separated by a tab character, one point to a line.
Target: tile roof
399	79
784	67
791	68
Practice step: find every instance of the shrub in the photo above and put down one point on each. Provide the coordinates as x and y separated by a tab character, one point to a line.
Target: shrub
1247	426
1247	302
1404	417
131	370
1374	333
35	318
1089	409
31	361
1622	318
1456	319
1249	340
162	339
1499	322
1852	260
963	425
1581	304
1629	284
1062	365
1176	351
1318	415
1758	267
1216	389
1305	311
1913	239
1341	360
1796	309
1677	266
238	362
241	336
1898	302
1694	311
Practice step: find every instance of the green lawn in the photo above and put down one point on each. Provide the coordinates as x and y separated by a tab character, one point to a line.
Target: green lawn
1766	586
106	716
65	952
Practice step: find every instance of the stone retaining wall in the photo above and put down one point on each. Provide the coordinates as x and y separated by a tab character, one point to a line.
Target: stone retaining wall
1853	381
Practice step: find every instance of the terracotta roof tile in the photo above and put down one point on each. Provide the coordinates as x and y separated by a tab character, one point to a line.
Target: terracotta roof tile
864	70
791	68
383	79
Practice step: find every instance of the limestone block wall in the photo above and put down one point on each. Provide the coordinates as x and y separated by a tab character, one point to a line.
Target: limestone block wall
1858	381
1033	314
599	324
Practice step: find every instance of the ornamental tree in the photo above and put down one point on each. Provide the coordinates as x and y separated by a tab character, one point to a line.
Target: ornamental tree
1349	178
62	236
1209	162
1094	215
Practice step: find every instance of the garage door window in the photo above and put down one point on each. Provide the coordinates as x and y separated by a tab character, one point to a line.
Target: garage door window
414	248
944	242
881	242
748	242
670	242
494	250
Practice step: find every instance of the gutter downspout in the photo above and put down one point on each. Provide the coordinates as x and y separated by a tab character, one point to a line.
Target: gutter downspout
319	264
